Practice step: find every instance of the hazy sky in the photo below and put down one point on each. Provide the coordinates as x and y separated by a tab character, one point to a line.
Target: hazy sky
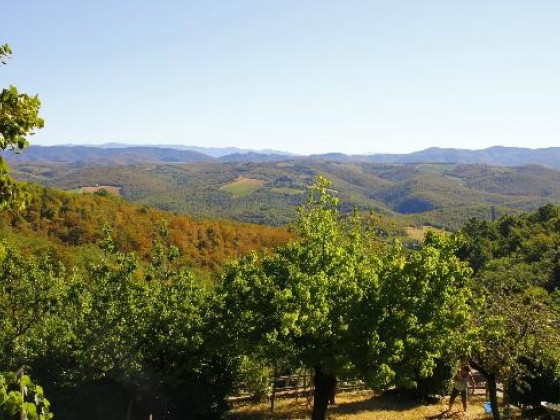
302	75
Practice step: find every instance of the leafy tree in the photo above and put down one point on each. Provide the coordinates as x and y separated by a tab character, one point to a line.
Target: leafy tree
340	300
508	335
19	117
539	382
30	288
516	262
132	340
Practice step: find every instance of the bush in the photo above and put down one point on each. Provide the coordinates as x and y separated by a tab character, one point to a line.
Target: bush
439	382
32	403
541	383
256	377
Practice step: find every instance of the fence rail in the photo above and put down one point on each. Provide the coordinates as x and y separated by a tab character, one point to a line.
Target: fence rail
298	383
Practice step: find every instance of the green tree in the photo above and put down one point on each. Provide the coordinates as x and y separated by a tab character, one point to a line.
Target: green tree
29	291
30	288
19	117
514	324
516	263
132	340
341	300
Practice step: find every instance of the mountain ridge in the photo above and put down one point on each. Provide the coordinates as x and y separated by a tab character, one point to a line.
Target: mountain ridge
127	155
269	192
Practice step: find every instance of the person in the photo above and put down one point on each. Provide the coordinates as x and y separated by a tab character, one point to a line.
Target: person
460	386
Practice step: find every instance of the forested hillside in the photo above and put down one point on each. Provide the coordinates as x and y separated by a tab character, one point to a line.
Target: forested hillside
443	195
72	225
136	334
106	156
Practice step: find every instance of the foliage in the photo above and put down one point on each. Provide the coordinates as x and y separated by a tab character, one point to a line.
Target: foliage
68	223
255	377
537	383
444	196
516	263
20	396
338	298
438	382
119	337
29	293
19	117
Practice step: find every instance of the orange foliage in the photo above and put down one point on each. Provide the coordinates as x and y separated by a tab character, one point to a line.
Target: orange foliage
77	219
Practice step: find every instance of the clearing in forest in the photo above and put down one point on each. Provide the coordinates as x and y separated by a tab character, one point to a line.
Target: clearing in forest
287	190
243	186
417	232
110	189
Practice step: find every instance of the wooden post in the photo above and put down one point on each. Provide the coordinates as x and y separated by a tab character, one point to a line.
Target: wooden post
129	410
273	396
21	372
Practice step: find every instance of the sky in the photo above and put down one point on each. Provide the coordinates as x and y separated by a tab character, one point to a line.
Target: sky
305	76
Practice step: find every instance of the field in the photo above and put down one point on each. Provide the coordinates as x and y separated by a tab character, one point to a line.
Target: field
289	191
417	233
110	189
243	186
360	405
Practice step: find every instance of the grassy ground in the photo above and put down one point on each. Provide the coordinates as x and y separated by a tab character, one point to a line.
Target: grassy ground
243	186
416	233
286	190
360	405
110	189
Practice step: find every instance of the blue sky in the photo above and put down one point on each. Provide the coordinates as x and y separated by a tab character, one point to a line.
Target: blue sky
304	76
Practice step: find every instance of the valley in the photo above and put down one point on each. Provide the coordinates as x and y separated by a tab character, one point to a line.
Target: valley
440	195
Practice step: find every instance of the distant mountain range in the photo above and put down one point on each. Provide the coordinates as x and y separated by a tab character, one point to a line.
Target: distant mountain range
497	155
106	156
120	154
210	151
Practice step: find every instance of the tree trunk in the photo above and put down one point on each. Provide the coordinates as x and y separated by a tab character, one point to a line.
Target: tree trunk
332	389
324	384
129	410
491	378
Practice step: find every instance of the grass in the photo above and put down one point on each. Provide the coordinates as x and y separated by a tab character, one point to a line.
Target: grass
239	190
286	190
110	189
359	405
417	232
243	186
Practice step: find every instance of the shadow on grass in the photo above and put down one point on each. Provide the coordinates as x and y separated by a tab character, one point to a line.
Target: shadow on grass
352	404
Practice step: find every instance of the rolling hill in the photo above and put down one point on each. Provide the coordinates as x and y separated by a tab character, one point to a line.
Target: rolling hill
120	154
443	195
71	225
105	156
497	156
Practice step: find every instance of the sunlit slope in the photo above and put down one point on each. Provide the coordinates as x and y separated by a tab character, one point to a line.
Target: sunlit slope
268	193
71	224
